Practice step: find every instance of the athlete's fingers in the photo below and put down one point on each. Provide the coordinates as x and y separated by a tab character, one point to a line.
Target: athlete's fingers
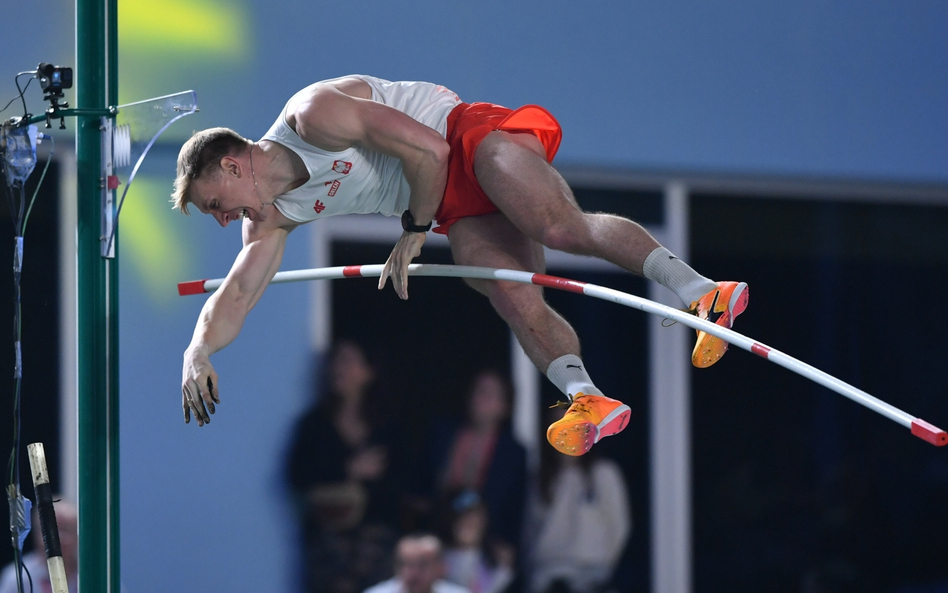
212	386
185	396
208	396
403	281
398	282
197	405
386	270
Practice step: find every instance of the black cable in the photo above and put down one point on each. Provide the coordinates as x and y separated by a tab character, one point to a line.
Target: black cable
20	96
18	566
16	80
29	577
13	465
49	159
22	567
20	213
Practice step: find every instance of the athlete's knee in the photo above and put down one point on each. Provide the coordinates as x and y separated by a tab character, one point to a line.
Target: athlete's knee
480	286
512	300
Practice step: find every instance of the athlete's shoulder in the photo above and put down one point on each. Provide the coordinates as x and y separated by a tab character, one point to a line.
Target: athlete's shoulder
353	85
328	114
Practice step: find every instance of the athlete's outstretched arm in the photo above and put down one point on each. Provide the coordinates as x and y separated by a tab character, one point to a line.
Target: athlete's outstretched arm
223	315
334	120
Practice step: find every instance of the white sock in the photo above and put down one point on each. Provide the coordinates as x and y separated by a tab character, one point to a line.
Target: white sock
569	375
663	267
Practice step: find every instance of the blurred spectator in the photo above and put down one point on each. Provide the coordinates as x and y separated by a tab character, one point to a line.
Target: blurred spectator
483	456
419	568
35	561
467	560
341	467
580	520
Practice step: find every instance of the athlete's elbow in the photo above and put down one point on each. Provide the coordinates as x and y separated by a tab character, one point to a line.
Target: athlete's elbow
441	151
435	154
236	299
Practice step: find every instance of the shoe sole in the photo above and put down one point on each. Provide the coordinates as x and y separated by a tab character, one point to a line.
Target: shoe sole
709	349
577	439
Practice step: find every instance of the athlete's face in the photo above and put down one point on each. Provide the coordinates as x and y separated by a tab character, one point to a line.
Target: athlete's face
227	194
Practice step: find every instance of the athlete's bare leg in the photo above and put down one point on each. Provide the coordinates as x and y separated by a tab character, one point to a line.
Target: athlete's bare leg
512	170
493	241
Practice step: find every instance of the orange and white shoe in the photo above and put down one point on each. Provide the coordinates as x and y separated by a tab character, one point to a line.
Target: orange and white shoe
588	419
719	306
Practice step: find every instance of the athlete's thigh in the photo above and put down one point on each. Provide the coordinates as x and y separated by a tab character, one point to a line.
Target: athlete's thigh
493	241
515	176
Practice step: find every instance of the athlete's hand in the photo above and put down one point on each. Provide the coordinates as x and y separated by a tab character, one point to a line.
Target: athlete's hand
198	386
407	249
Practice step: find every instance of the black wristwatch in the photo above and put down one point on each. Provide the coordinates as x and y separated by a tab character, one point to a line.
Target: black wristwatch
408	223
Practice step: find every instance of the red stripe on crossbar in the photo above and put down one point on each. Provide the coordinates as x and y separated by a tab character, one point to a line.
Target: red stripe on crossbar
192	287
760	350
352	271
560	283
929	432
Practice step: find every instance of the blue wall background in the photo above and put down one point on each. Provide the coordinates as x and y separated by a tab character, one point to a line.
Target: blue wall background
843	89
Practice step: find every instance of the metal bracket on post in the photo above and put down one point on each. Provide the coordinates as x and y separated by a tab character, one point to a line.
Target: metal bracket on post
108	190
126	141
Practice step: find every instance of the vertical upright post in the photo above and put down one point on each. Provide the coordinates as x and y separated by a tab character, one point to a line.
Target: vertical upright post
670	420
97	386
113	313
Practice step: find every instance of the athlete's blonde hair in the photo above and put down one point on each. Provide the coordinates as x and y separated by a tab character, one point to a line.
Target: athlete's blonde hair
199	155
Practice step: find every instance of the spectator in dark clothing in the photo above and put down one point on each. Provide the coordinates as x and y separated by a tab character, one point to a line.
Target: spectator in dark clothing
482	455
342	469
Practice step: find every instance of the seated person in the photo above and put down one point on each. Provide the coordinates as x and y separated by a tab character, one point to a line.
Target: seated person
580	521
419	568
469	560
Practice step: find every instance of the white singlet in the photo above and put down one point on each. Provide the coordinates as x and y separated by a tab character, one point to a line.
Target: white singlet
358	180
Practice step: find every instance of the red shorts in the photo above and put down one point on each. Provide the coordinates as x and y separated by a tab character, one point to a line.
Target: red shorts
468	125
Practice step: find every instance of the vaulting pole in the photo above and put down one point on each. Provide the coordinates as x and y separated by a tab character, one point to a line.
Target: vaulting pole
923	430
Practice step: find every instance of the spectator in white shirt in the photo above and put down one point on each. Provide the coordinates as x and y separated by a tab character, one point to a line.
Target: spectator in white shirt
419	568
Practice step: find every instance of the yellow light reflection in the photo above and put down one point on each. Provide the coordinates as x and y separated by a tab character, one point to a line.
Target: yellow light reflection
148	238
195	27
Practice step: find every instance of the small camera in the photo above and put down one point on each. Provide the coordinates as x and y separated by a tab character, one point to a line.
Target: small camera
53	79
